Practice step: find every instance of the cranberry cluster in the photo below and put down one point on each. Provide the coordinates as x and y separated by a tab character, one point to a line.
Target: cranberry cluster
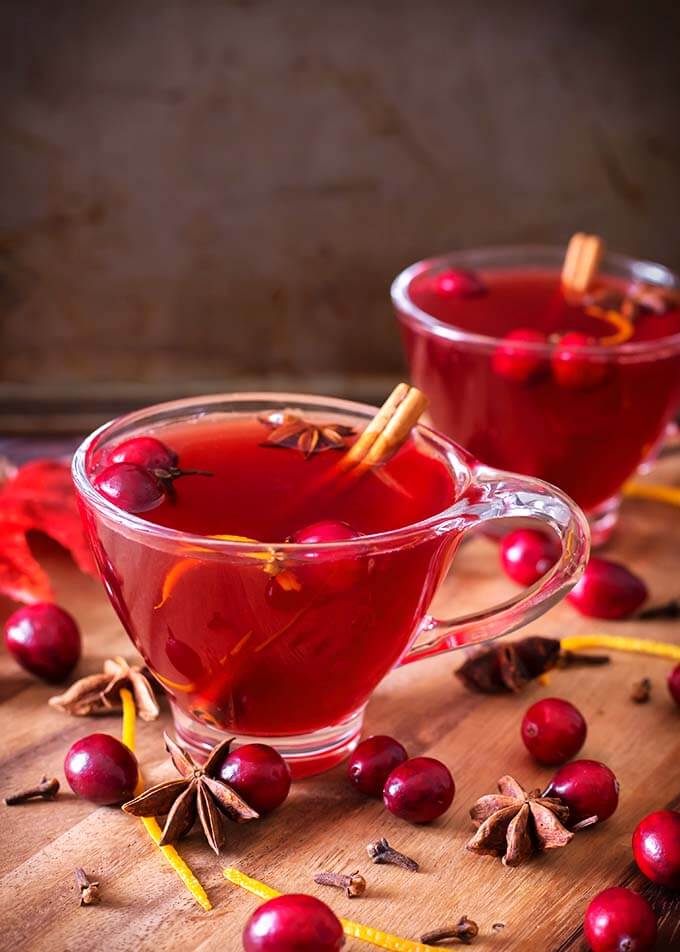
606	590
418	789
521	358
138	474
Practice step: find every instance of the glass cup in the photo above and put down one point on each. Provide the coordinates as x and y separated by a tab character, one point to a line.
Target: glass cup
588	442
196	610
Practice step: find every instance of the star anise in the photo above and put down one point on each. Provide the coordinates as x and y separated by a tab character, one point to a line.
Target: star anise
515	824
100	693
638	298
511	666
197	794
291	430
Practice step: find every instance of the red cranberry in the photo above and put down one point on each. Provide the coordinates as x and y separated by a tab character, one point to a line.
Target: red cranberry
553	730
130	487
574	369
588	788
516	362
145	451
458	283
419	790
293	923
259	774
656	847
619	920
674	684
607	590
336	573
101	769
373	760
44	639
527	554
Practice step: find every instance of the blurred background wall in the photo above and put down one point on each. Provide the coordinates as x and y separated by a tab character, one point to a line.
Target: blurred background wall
204	194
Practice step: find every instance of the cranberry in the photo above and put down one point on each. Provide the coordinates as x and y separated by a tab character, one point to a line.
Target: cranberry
130	487
674	684
101	769
574	369
588	788
515	362
336	573
553	730
619	920
145	451
419	790
656	847
293	923
259	774
373	760
527	554
607	590
458	283
44	639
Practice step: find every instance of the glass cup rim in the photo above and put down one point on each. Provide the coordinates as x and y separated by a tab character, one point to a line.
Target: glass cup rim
640	269
458	461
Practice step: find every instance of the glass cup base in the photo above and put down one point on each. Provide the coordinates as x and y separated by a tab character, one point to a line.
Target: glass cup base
603	519
305	754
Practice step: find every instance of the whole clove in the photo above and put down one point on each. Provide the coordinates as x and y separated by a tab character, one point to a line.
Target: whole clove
47	789
465	930
354	884
380	851
89	889
666	610
641	691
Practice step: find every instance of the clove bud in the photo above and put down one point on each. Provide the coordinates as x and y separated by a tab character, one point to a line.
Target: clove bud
465	931
641	691
89	891
47	789
354	884
380	851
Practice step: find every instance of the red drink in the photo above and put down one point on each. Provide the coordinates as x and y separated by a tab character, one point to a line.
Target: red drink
261	654
553	399
269	593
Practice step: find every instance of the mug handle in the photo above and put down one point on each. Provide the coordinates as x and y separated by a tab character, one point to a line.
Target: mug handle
502	496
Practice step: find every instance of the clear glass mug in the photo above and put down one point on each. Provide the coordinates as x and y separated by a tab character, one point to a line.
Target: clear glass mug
588	442
232	666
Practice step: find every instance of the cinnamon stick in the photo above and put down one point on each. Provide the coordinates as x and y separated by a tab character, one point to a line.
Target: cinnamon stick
581	262
388	429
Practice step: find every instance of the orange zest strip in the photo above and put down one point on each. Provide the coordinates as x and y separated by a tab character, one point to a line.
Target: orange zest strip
624	327
584	253
179	569
620	643
184	871
384	940
658	493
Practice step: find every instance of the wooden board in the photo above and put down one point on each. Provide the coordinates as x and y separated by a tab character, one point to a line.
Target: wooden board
324	824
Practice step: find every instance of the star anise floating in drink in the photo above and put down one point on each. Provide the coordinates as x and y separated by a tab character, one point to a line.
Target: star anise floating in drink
639	298
198	794
514	824
291	430
100	693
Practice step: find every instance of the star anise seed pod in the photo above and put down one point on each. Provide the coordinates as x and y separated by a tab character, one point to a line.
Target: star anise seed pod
100	693
198	794
291	430
515	824
639	297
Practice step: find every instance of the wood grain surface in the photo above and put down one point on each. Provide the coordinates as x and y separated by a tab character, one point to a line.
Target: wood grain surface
325	824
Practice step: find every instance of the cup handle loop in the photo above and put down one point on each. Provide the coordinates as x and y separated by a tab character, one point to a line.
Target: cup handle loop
503	496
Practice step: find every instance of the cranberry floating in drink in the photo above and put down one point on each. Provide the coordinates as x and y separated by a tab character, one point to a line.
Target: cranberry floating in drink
564	369
271	598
